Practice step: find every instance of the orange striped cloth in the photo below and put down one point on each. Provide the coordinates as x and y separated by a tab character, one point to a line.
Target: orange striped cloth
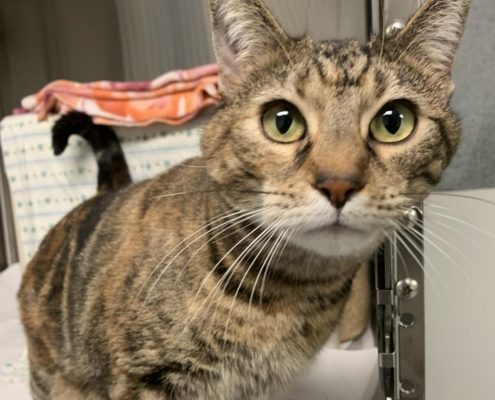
173	98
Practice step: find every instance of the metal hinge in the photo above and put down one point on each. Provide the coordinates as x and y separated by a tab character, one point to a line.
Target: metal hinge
400	312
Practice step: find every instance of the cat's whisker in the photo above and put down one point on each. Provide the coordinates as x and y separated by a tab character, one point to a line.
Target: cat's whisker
429	232
464	196
411	230
452	301
423	268
205	280
428	240
306	22
266	263
308	263
219	191
457	195
456	231
279	42
266	266
225	278
402	230
190	166
429	206
401	257
221	216
224	215
382	30
409	46
411	243
389	236
242	217
463	222
260	270
428	276
271	231
211	240
163	196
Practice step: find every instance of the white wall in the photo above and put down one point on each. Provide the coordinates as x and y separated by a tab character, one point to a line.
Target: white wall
460	297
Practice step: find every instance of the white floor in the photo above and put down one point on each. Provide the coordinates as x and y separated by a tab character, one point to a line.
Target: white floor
13	360
337	374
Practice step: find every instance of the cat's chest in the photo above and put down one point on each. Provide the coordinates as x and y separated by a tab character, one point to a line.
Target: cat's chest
267	353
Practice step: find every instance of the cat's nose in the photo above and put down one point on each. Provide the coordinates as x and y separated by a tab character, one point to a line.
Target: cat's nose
338	191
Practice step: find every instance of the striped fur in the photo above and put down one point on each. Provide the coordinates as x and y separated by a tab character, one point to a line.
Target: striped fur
218	279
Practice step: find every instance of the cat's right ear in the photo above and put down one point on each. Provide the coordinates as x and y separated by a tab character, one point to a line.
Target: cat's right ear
243	32
433	34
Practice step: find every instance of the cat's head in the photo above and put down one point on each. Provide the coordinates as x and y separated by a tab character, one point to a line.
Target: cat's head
335	139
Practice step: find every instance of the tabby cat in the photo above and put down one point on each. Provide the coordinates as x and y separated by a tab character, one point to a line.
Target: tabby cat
223	277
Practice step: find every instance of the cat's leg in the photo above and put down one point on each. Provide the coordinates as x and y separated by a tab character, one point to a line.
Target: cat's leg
124	388
40	383
63	390
151	395
138	394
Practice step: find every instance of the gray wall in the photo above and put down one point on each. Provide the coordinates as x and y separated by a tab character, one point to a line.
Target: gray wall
474	100
44	40
159	35
162	35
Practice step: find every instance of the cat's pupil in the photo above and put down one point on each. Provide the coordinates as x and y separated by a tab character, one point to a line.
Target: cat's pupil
283	121
392	121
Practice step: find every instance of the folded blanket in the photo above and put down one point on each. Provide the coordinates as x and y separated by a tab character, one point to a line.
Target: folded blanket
173	98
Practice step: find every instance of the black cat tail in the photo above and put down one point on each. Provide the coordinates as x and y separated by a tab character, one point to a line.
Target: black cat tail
113	171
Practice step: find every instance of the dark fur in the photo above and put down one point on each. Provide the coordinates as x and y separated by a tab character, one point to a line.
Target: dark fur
113	172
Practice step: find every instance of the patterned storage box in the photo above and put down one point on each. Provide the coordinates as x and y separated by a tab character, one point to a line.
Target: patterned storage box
44	187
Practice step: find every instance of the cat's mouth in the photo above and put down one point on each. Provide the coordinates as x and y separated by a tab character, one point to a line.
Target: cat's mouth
337	228
338	239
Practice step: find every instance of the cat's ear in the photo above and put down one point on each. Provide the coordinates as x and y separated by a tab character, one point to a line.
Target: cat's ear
433	34
243	31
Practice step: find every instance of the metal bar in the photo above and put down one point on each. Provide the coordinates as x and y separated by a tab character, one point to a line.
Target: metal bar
400	312
410	317
8	248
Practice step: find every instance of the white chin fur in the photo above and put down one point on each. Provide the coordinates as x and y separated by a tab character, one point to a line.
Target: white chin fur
327	243
322	230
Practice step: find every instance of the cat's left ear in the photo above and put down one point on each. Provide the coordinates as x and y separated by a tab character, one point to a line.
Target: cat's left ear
243	32
433	34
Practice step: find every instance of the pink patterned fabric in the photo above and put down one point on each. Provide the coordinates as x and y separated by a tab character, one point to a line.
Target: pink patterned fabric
173	98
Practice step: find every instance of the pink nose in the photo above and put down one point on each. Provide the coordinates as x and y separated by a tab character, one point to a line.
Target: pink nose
338	191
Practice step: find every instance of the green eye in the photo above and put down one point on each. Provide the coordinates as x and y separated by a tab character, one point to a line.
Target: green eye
395	122
283	122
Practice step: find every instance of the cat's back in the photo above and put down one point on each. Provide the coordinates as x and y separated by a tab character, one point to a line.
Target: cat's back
109	234
107	217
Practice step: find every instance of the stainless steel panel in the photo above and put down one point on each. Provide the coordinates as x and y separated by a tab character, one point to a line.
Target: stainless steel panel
400	313
460	317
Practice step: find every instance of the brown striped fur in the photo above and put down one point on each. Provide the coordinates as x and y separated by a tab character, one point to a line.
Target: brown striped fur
160	290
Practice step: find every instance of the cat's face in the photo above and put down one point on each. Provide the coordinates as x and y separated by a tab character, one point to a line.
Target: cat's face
333	140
